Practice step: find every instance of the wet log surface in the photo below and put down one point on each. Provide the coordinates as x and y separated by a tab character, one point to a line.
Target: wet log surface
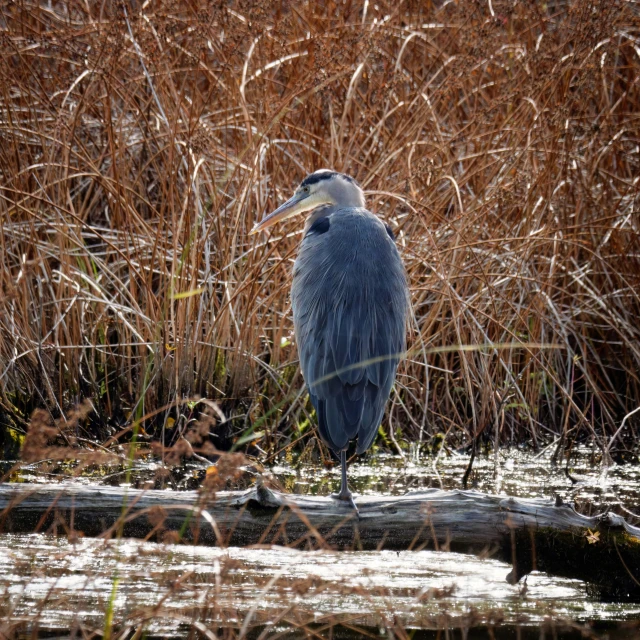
602	550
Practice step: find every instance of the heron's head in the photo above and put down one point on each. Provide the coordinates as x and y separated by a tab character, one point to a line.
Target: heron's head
316	190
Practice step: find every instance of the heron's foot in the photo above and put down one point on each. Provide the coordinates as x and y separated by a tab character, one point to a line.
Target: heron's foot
346	496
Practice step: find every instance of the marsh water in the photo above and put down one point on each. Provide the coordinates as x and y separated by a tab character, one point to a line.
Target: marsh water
50	584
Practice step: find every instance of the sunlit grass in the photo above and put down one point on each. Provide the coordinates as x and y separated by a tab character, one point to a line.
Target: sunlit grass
500	141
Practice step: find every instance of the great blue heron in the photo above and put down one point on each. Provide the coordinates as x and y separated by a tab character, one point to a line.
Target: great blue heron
350	305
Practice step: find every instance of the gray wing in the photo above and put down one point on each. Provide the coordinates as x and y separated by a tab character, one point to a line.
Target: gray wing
350	306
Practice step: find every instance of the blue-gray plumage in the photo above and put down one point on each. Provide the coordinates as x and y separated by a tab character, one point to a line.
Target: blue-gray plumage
349	311
350	306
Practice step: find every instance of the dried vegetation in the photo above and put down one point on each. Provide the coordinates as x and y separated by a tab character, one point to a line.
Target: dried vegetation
141	142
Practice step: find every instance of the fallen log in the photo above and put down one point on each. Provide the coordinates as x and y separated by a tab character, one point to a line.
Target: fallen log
530	534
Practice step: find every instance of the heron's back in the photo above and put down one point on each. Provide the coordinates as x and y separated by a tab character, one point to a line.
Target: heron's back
350	306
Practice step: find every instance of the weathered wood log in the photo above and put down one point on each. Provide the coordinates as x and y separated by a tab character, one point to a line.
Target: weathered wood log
602	550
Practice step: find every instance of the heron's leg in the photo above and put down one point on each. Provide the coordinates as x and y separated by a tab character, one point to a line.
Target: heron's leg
344	494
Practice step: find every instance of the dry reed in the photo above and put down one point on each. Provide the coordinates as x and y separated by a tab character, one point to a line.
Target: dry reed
141	142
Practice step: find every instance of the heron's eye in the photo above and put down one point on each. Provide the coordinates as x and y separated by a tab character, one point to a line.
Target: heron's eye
305	189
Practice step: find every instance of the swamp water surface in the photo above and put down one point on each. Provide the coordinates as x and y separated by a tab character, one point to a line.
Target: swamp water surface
52	584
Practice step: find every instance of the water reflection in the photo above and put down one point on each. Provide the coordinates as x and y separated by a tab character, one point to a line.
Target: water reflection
517	473
513	472
52	583
163	588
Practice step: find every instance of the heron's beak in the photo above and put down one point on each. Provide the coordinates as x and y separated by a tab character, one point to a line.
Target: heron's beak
299	203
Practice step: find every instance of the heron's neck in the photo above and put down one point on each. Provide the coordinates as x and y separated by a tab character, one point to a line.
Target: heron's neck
320	212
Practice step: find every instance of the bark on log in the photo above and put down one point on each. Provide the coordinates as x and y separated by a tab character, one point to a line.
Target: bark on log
602	550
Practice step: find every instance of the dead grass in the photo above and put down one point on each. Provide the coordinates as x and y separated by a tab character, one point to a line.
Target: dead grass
139	146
